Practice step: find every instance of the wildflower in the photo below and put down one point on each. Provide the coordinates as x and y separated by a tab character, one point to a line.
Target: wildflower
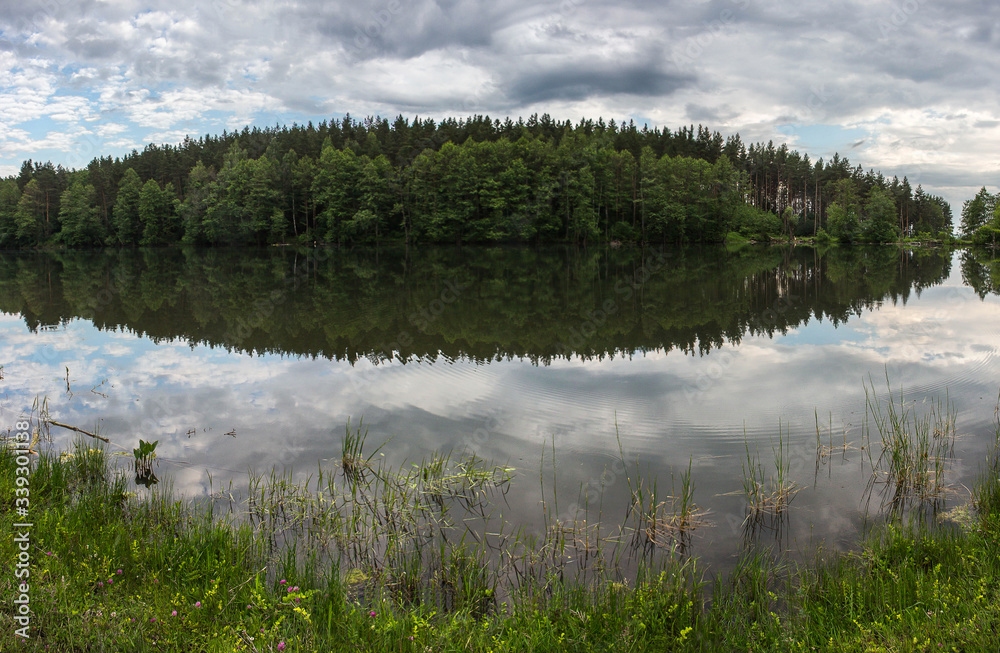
371	614
111	581
248	606
152	620
119	572
282	581
100	583
281	646
174	613
48	553
197	604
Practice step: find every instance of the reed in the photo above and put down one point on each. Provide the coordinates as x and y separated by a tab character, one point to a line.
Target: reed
915	449
986	493
767	494
667	523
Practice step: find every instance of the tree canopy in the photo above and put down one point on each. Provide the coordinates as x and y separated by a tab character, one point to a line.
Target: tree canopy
474	180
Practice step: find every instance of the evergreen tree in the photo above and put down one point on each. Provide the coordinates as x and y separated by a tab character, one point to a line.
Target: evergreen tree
156	213
10	195
31	215
192	209
335	187
79	215
125	220
977	211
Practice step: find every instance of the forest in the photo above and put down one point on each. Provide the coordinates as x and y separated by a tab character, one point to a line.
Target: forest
474	180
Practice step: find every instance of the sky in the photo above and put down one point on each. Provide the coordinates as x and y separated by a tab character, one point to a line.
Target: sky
907	88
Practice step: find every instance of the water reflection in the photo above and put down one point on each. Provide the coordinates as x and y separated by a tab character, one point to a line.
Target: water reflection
482	305
247	359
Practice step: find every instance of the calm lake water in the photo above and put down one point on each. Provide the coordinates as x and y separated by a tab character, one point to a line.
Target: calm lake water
240	359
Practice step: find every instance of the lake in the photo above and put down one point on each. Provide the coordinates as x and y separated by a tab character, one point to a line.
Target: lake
249	359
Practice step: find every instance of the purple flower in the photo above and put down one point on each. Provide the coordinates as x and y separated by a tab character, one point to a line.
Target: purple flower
371	614
281	646
152	620
282	581
119	572
111	581
197	604
174	613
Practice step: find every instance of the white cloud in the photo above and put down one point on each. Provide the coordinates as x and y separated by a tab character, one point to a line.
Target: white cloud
900	72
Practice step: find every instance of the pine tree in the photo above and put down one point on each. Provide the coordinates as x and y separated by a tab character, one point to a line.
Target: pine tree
125	221
79	215
156	213
30	214
977	212
10	195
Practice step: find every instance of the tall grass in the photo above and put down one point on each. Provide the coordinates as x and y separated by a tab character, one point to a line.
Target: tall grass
986	494
420	557
915	449
768	494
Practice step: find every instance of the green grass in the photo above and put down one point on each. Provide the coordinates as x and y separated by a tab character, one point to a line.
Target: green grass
767	495
363	557
916	450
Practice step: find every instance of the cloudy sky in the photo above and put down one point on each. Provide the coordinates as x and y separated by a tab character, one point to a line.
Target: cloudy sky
905	87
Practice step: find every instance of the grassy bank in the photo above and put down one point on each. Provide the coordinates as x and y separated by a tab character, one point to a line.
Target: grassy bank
363	557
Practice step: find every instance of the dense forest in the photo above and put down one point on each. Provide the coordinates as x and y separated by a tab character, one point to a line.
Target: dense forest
475	180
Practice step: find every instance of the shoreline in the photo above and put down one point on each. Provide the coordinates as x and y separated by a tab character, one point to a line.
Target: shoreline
161	574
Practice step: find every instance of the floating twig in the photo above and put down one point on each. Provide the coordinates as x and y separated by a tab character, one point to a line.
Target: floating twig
78	430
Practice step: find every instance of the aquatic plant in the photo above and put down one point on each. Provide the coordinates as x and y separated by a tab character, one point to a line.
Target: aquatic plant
915	449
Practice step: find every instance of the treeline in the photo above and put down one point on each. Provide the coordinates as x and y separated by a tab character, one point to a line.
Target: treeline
459	181
981	218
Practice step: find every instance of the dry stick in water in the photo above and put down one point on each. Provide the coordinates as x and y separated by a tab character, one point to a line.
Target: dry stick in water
78	430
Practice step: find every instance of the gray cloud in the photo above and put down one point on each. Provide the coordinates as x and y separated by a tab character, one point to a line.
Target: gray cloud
913	76
578	82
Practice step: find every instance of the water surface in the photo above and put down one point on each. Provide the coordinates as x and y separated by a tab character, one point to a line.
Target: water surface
240	359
